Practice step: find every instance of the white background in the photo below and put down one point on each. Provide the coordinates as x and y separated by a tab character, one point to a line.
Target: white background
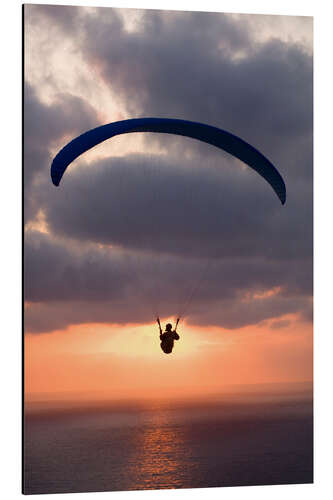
10	247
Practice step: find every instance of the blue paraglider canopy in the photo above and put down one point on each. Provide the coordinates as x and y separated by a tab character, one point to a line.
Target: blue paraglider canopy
206	133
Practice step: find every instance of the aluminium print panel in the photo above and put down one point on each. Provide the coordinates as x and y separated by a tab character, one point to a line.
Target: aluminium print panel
168	249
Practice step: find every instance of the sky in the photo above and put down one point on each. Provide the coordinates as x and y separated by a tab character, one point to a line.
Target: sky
140	219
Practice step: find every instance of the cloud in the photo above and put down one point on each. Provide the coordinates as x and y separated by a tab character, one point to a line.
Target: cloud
179	207
187	204
185	65
66	284
44	126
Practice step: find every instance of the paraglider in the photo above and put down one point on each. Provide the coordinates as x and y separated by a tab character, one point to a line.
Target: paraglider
214	136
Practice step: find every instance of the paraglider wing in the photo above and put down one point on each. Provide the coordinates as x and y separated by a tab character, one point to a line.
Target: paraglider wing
200	131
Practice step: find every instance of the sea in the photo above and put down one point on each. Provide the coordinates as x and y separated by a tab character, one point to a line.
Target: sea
233	440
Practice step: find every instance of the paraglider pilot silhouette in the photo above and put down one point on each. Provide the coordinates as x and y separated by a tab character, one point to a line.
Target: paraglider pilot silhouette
168	337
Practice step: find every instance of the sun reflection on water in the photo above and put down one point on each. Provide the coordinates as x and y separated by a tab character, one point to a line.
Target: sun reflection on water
162	456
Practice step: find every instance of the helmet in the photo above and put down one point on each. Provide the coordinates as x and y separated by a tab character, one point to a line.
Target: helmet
168	326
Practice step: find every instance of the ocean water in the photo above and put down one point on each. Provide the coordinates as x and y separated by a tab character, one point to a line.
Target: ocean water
168	445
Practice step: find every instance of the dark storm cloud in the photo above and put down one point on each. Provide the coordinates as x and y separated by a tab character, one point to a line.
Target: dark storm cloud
44	125
199	202
231	314
204	67
43	317
184	65
58	272
66	284
179	207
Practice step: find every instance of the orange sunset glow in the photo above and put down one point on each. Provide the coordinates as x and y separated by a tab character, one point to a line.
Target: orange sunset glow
111	362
